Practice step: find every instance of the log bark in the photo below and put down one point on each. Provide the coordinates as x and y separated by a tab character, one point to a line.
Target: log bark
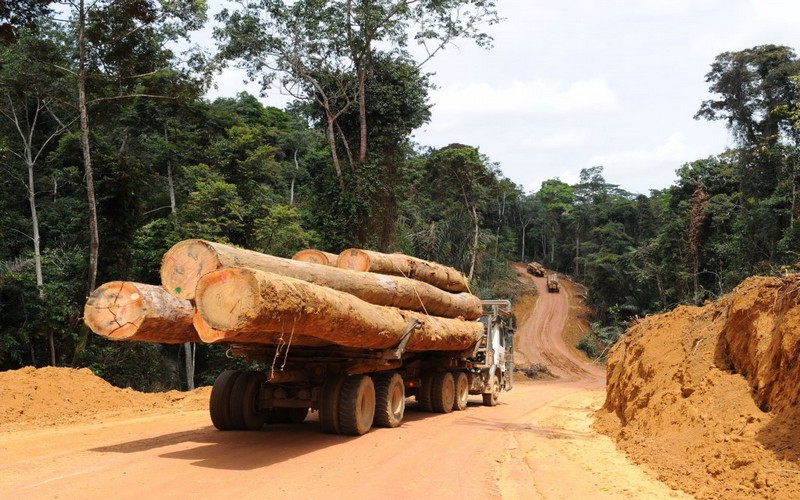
443	277
210	335
316	257
123	310
257	306
186	262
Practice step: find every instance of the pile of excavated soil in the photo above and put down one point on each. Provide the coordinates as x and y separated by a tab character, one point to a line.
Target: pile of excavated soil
40	397
707	397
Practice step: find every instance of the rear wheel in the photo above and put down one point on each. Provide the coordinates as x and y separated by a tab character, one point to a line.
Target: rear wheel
424	392
357	405
390	400
329	405
219	405
462	391
491	398
443	392
245	412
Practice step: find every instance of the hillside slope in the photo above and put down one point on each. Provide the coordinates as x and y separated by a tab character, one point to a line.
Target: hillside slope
708	396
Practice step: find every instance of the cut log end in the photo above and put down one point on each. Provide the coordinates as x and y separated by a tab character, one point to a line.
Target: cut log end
354	259
228	296
184	264
316	257
115	310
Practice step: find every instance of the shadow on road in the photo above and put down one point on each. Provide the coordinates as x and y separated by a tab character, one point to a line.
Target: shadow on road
248	450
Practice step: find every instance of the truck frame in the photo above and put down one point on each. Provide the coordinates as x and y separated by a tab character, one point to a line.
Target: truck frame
354	390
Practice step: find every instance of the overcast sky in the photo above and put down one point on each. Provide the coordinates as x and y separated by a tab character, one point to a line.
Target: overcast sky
572	84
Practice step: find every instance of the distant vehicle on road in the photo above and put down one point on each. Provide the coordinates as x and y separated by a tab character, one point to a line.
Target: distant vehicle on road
535	269
552	283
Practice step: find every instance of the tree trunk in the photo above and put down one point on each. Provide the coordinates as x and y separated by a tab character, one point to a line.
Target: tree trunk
316	257
94	239
475	242
362	112
443	277
188	348
123	310
189	351
185	263
37	251
522	257
171	184
334	155
245	305
294	177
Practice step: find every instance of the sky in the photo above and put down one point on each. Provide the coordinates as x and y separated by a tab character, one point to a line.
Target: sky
573	84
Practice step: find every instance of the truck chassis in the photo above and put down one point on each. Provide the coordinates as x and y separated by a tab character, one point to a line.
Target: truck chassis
354	390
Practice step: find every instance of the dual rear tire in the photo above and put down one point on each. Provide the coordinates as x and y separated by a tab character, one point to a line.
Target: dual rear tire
444	392
234	404
234	401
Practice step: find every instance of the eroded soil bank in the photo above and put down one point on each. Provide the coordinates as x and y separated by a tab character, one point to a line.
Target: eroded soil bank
708	396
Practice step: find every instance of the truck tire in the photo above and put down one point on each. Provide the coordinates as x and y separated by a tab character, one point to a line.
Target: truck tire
329	404
490	398
219	404
245	413
390	400
462	391
443	392
357	405
288	415
424	392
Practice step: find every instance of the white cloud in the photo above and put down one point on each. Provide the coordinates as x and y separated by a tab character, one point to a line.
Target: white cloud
568	139
782	11
673	151
639	170
525	98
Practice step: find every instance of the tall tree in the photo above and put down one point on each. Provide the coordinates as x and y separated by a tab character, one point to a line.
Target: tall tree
324	51
754	89
32	104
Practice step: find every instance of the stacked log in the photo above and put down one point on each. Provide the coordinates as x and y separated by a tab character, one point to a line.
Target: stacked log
247	303
316	257
432	273
217	293
123	310
186	262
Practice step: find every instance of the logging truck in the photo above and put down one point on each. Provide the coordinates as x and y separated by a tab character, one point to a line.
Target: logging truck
552	283
355	389
348	336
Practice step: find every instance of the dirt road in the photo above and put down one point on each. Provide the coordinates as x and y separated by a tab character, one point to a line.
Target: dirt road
536	444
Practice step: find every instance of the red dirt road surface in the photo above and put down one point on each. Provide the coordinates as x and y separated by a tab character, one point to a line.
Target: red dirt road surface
537	443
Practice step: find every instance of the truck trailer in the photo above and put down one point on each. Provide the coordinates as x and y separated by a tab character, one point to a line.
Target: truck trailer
355	389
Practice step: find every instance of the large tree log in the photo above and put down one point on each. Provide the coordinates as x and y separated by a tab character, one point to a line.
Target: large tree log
210	335
440	276
316	257
249	304
123	310
186	262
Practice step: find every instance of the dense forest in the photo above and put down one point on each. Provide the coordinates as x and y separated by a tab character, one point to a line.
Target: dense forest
111	154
